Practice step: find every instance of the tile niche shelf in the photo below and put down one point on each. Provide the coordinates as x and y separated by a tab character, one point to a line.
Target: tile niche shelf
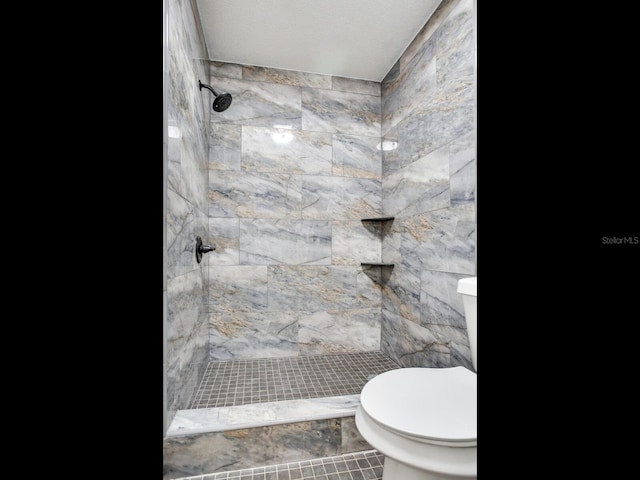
385	268
378	272
377	219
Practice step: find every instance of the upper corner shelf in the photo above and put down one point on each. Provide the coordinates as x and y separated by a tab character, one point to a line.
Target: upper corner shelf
377	219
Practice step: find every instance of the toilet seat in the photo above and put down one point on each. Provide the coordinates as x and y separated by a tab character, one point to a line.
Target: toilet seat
431	405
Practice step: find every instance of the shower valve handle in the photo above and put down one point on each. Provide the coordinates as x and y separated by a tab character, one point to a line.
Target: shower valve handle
202	249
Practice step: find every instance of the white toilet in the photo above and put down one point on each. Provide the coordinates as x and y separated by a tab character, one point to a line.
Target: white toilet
424	420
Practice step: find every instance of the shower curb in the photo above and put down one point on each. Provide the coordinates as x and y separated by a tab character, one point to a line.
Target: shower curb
222	419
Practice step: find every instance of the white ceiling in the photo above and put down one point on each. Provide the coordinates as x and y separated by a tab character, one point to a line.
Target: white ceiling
359	39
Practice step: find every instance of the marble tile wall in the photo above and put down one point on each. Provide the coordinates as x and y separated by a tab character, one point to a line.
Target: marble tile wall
293	167
285	278
428	185
186	171
244	448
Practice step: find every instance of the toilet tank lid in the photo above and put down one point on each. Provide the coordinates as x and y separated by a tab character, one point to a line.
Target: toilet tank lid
468	286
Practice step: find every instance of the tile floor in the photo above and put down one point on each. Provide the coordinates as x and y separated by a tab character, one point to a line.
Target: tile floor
241	382
352	466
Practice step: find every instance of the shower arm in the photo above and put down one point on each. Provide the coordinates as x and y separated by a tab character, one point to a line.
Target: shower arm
222	100
207	87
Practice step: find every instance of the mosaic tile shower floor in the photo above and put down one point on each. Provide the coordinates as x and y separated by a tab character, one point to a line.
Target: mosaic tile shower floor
352	466
242	382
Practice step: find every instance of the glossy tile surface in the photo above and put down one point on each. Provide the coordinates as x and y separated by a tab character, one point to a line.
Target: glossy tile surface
293	166
220	419
186	173
428	185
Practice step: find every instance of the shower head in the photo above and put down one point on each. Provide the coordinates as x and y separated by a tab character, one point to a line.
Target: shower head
222	100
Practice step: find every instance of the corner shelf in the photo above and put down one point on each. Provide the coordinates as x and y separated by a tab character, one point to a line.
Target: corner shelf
377	219
379	272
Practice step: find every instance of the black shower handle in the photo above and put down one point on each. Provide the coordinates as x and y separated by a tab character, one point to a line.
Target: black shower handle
201	249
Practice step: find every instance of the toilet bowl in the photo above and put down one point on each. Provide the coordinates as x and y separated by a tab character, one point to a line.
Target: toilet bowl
424	420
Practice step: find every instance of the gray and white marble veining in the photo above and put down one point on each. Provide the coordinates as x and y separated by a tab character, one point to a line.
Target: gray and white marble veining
286	77
182	69
352	243
368	292
220	419
455	44
340	198
340	112
187	170
311	288
357	156
414	86
458	343
451	334
225	146
288	209
339	331
174	135
390	82
442	240
247	447
354	85
258	103
450	241
245	334
419	187
186	204
186	344
393	159
289	242
352	440
183	305
440	15
265	205
224	234
233	288
462	171
183	223
186	361
460	64
253	195
440	302
436	124
222	69
304	153
402	296
428	104
411	345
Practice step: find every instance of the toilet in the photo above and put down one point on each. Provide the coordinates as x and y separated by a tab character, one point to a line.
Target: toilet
424	420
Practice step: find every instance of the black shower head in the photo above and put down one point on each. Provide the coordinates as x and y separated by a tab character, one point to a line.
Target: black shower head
222	100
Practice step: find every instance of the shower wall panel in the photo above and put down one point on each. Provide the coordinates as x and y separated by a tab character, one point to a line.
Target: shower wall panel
428	108
294	165
186	207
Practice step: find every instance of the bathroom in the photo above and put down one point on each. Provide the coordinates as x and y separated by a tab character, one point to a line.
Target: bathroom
296	272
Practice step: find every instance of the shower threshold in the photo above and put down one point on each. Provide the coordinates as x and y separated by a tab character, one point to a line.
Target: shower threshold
238	394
